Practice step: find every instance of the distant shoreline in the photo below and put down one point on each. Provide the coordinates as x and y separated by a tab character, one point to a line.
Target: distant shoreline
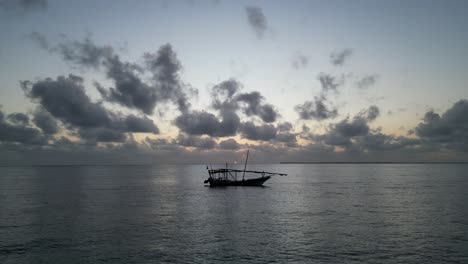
375	162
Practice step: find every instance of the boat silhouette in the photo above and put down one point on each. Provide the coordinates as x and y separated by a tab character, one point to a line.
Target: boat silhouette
229	177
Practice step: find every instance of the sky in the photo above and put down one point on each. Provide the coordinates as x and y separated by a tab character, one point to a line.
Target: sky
147	82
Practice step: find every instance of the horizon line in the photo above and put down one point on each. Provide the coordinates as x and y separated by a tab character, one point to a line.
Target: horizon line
282	162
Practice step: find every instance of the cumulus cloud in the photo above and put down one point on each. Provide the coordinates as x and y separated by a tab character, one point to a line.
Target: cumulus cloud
45	121
263	132
130	89
339	58
66	100
316	110
257	20
371	113
204	123
17	130
140	124
254	106
449	129
355	135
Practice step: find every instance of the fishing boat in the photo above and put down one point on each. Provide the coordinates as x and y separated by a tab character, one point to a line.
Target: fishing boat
229	177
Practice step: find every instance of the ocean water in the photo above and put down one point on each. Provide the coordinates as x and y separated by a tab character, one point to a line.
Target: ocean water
328	213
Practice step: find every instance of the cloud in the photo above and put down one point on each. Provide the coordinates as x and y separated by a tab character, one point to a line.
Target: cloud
263	132
285	127
66	100
255	107
222	95
18	119
131	88
317	110
450	130
281	133
371	113
165	67
355	136
17	130
226	98
339	58
102	134
140	124
84	53
257	20
300	61
45	121
196	141
204	123
356	127
229	144
24	5
366	81
329	82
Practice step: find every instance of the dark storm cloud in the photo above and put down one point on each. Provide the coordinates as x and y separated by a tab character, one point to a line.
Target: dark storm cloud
18	118
366	81
19	131
263	132
300	61
45	121
338	58
316	110
196	141
24	5
257	20
65	99
204	123
229	144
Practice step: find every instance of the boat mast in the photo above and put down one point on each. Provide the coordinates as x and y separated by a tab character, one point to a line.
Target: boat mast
245	166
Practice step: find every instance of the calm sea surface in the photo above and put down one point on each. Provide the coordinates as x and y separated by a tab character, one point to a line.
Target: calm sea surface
349	213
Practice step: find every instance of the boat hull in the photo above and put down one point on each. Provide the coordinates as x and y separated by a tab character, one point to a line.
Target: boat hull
247	182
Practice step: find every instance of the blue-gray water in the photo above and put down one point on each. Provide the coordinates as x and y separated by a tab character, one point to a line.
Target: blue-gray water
351	213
